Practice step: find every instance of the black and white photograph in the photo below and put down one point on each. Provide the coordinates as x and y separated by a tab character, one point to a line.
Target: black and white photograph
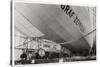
52	33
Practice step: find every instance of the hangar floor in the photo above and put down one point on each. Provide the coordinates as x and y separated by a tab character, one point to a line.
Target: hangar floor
57	60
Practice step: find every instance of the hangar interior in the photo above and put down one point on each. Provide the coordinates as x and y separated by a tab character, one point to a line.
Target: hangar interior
46	32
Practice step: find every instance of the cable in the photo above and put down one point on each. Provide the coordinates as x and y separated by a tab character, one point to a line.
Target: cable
80	37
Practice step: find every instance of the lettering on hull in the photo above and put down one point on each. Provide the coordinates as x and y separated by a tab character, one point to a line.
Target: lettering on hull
68	10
